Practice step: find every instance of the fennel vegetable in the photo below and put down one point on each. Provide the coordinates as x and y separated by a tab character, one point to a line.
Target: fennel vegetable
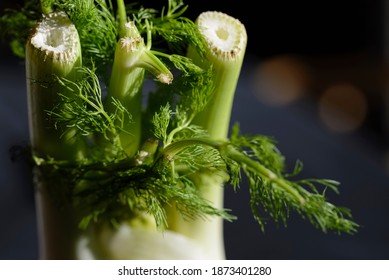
128	174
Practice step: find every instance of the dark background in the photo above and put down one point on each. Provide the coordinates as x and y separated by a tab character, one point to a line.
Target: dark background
314	78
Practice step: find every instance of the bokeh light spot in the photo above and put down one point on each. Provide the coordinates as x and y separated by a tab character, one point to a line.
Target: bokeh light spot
343	107
281	80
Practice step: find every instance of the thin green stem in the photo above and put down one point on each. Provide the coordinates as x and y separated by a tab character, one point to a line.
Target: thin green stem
122	15
47	6
176	130
230	152
258	168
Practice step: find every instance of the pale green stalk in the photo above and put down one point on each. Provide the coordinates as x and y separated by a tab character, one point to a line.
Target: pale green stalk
227	39
132	58
53	51
226	43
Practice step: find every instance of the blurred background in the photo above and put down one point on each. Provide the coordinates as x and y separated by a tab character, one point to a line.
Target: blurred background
315	78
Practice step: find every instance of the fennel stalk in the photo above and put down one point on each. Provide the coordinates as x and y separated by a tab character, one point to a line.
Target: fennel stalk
226	41
52	51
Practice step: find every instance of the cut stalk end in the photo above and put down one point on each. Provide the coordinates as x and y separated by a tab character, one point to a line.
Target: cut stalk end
56	40
226	36
226	40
